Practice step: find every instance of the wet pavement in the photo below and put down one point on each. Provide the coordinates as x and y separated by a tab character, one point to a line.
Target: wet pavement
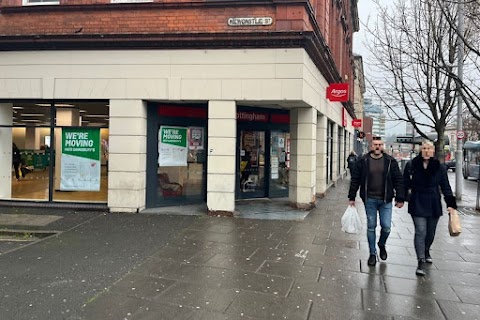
159	266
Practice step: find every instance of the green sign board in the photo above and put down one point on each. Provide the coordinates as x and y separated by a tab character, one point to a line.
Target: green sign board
172	146
81	142
80	160
176	136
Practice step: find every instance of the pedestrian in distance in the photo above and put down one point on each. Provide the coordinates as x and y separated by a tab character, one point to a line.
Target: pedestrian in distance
351	160
379	178
424	176
16	160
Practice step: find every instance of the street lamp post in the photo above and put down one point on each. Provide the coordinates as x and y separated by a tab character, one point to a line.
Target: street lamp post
459	151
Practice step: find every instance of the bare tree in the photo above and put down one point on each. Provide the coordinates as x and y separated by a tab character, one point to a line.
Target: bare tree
469	86
414	55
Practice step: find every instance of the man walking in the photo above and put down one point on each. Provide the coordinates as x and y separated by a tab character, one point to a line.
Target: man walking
378	175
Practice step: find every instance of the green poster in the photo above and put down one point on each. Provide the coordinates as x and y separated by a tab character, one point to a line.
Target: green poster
172	146
80	161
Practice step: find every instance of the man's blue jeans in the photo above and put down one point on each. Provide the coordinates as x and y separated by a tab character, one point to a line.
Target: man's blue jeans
385	213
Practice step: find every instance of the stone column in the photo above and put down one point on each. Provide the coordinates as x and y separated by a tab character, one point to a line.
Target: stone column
222	135
127	155
64	117
303	134
6	112
321	155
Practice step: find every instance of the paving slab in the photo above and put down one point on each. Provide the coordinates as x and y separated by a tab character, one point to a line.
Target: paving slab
393	304
141	286
468	294
198	296
459	311
27	219
268	307
421	287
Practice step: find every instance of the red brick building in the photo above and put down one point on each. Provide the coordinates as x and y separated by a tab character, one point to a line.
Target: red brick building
134	69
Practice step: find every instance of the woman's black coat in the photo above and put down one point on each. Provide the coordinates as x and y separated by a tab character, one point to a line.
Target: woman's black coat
425	186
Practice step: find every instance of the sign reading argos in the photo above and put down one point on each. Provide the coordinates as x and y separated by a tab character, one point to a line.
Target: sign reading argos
80	169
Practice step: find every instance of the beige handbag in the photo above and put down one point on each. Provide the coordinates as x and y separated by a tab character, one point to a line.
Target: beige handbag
454	226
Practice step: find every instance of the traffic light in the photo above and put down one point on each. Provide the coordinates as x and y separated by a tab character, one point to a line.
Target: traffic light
361	135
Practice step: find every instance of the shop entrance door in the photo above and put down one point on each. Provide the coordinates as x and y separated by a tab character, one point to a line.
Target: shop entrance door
252	182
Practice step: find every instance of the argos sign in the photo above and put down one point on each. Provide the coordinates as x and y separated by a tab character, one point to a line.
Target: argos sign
338	92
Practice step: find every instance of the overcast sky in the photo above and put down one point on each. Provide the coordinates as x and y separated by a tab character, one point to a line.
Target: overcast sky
366	9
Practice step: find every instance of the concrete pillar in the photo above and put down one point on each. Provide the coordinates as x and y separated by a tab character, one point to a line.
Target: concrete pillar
127	155
303	133
6	112
64	117
321	185
222	135
30	139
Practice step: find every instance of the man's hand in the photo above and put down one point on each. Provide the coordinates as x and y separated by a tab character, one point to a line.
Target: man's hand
399	204
352	203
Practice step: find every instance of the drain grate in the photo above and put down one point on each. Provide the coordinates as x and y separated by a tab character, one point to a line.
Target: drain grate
25	235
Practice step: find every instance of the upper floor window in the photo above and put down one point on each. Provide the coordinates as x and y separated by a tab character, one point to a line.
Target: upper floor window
39	2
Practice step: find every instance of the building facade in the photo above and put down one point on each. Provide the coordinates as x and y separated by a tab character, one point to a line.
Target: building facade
376	113
359	145
139	105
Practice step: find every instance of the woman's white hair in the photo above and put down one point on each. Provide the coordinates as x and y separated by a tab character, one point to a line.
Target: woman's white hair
427	143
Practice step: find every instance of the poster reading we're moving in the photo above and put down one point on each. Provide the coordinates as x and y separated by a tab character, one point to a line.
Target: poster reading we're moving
80	169
172	146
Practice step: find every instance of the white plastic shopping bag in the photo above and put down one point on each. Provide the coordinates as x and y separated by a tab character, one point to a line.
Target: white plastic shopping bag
351	222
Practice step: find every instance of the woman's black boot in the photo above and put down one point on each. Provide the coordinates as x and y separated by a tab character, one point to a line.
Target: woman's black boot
420	268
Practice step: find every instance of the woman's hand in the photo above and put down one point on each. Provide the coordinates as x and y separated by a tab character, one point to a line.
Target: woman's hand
450	210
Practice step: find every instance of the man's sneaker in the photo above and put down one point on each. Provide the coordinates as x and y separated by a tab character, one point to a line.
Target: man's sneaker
383	252
428	258
421	268
372	260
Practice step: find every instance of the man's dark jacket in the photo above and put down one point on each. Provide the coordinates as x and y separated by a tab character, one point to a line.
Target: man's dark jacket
426	184
392	179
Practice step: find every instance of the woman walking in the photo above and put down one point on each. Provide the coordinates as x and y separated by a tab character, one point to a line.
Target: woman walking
425	177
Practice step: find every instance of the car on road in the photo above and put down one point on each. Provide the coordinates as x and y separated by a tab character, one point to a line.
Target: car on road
450	164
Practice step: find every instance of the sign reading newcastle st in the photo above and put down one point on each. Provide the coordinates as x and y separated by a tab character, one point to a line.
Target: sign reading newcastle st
250	21
80	161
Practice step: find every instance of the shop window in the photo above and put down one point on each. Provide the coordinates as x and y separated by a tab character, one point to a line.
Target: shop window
181	164
63	150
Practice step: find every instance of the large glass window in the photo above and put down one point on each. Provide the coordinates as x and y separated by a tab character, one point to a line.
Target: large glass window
339	149
279	163
61	160
330	125
176	154
252	164
181	164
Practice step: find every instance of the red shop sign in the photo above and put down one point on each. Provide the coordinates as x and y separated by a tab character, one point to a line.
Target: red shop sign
252	116
357	123
338	92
